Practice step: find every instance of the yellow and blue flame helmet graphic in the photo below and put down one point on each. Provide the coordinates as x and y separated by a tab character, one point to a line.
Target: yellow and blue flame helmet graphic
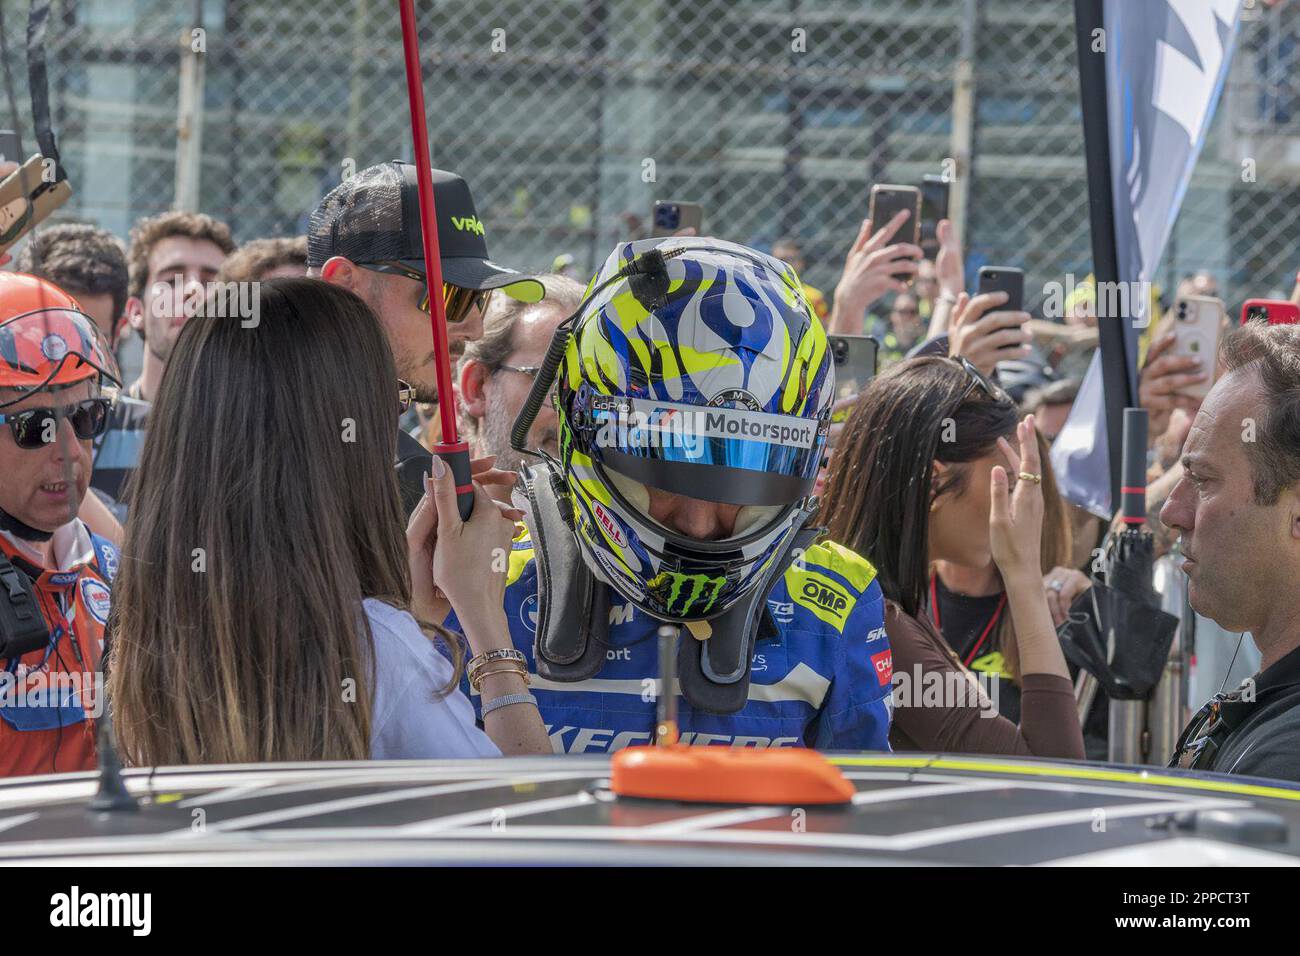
717	387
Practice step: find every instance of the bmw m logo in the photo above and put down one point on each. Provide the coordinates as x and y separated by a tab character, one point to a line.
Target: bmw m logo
528	613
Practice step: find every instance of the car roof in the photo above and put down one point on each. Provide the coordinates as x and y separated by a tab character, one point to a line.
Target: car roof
908	808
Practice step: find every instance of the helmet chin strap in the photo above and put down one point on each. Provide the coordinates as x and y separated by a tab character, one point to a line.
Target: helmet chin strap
22	530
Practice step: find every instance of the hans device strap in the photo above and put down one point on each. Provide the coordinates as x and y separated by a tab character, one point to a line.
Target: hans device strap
573	608
22	626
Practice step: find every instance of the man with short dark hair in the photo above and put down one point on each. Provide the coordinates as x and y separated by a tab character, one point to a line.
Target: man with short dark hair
86	262
497	371
1050	405
1237	509
171	259
905	329
365	236
172	250
260	259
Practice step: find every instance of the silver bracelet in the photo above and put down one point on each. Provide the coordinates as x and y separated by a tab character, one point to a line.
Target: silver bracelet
498	702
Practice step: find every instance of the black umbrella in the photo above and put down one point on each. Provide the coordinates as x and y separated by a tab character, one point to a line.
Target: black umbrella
1116	629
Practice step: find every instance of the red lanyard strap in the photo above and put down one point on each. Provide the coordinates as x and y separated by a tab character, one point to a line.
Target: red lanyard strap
988	628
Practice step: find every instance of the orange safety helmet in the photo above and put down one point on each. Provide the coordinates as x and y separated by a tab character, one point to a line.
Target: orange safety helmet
46	339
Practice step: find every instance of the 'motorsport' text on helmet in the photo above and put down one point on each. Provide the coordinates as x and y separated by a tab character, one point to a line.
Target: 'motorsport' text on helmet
716	385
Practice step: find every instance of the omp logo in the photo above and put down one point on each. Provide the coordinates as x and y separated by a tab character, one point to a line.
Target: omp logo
609	524
824	597
468	224
830	598
884	665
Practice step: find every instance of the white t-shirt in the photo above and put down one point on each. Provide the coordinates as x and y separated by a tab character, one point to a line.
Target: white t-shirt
409	719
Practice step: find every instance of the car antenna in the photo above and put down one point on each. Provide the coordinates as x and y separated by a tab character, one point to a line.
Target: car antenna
671	770
112	796
666	734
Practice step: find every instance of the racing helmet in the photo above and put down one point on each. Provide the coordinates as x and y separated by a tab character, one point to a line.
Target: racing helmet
710	379
46	340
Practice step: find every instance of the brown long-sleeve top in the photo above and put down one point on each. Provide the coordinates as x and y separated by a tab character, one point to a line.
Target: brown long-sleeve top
941	721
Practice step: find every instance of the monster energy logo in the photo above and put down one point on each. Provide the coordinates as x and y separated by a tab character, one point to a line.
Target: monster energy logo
689	589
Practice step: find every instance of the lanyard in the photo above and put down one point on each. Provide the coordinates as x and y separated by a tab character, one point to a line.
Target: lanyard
997	613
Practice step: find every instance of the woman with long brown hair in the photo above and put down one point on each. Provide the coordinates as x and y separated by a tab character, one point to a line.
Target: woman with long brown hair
921	474
968	605
263	610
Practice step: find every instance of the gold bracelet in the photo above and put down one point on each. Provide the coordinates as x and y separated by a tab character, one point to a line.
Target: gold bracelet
477	663
506	668
499	654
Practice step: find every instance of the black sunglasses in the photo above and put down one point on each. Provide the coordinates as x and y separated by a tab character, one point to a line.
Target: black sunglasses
37	427
405	396
1200	740
978	380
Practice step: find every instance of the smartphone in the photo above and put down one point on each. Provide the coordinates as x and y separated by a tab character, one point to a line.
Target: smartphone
669	216
1006	279
26	199
9	147
1272	311
855	358
886	202
934	206
1198	320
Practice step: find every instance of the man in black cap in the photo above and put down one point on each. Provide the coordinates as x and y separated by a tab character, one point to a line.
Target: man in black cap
365	236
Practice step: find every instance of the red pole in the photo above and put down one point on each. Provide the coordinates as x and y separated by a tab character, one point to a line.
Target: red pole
451	449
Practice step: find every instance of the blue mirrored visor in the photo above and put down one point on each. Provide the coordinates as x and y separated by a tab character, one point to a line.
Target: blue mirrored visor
754	457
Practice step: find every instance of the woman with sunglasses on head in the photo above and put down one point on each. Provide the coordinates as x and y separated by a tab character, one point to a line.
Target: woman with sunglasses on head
269	607
934	466
968	604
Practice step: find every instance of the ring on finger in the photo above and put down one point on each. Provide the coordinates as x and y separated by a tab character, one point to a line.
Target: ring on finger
1057	586
1030	476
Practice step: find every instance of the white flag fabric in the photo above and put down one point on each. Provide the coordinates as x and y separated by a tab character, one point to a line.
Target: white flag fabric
1166	62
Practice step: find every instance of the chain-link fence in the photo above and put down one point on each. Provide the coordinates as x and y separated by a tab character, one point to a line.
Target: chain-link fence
569	117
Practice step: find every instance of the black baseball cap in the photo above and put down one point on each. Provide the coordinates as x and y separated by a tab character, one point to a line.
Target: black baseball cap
374	216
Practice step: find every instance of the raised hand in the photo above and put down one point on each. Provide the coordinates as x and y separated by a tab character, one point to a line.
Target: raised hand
984	335
869	271
1016	517
428	598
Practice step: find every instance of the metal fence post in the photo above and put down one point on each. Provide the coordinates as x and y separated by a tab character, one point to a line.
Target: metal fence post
189	118
963	120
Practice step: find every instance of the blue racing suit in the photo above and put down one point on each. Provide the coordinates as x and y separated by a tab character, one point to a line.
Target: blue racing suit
824	682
